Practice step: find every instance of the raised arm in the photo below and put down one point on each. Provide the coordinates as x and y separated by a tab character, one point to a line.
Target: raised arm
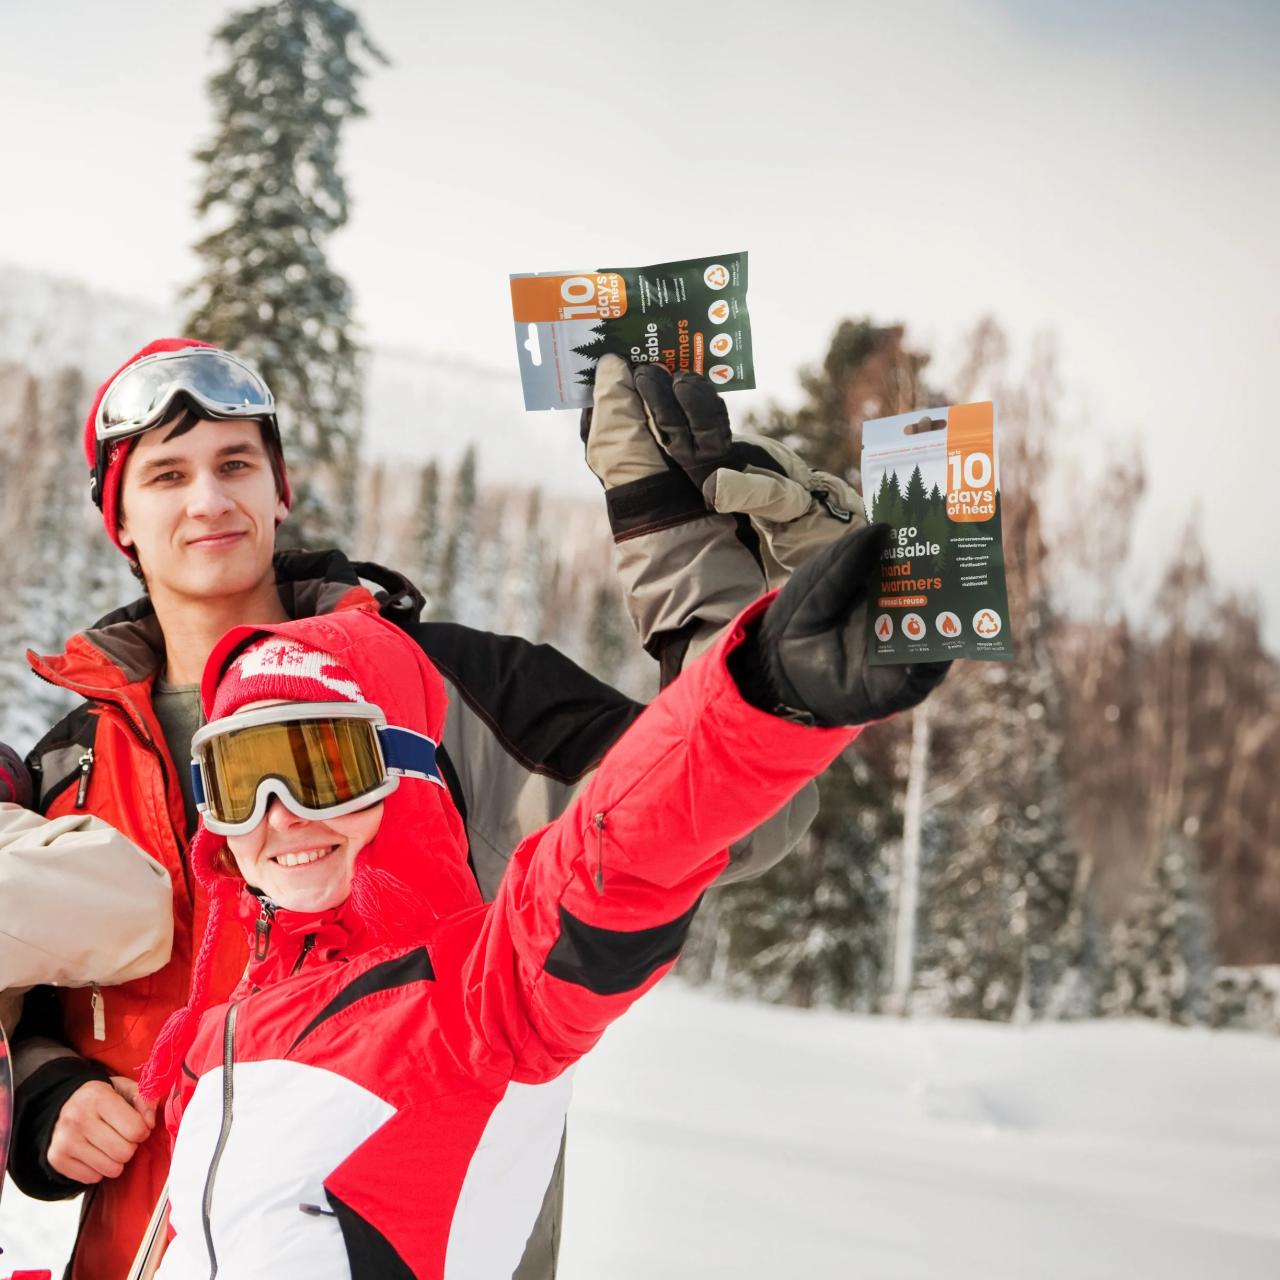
594	910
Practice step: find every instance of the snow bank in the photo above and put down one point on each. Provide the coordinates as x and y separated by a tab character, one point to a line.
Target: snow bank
712	1139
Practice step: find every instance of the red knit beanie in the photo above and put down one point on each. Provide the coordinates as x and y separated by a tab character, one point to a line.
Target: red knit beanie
278	667
118	450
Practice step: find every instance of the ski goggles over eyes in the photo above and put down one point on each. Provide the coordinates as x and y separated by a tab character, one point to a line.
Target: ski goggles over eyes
322	759
220	384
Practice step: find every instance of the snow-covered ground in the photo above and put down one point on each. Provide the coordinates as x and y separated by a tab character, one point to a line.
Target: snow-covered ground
710	1139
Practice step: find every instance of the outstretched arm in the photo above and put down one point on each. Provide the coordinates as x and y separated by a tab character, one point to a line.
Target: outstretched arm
594	909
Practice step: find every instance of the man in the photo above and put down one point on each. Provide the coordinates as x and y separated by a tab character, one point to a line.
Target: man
189	473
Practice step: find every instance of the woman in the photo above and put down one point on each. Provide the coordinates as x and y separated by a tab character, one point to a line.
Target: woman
384	1093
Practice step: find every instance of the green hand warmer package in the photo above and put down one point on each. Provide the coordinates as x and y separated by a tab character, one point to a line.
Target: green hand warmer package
934	476
686	315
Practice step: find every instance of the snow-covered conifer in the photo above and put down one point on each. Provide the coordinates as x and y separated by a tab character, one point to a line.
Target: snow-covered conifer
267	290
1162	949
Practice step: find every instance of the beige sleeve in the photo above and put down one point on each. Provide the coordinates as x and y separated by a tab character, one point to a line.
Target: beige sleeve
79	903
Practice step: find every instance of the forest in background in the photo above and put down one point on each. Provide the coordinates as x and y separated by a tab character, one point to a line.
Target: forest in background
1096	828
1090	829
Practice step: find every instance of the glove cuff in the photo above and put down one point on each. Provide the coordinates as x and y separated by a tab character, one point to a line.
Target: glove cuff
656	502
753	673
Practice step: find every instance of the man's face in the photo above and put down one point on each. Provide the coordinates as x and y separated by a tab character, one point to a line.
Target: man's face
200	510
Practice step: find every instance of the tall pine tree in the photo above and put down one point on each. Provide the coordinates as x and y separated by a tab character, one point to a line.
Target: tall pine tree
1162	949
868	372
458	562
813	931
266	289
1008	905
609	637
915	501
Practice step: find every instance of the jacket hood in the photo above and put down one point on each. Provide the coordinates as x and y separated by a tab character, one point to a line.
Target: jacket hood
414	870
411	875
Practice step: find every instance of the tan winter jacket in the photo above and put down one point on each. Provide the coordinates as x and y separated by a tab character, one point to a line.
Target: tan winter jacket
79	905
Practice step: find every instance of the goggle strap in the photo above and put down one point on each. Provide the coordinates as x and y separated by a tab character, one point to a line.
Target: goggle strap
404	752
413	755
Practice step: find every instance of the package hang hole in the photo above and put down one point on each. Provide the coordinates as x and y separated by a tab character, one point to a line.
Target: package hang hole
926	423
533	346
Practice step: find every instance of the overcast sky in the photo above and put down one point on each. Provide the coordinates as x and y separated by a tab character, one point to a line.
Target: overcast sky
1103	172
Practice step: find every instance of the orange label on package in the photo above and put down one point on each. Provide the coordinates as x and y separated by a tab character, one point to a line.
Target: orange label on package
933	476
545	299
971	478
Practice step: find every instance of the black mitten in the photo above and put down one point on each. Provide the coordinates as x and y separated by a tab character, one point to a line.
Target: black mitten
807	659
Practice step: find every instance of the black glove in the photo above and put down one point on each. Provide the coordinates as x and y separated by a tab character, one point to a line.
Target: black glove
689	418
807	660
15	781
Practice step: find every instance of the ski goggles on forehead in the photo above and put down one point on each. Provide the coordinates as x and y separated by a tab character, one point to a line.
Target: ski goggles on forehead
220	384
322	759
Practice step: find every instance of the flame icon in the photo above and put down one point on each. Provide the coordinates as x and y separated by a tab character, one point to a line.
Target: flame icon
949	627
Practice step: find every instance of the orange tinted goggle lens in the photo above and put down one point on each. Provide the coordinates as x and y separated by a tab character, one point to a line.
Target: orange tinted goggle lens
321	762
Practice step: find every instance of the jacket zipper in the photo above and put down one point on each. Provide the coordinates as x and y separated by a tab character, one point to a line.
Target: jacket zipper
98	1005
86	768
307	943
133	720
228	1096
598	820
262	936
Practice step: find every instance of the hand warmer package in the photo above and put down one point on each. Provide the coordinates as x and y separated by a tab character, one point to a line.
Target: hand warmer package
686	315
934	476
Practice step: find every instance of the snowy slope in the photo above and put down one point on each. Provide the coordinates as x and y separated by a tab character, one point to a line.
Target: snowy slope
731	1140
417	406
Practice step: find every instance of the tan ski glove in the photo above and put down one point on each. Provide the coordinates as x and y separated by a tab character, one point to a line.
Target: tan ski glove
794	510
686	572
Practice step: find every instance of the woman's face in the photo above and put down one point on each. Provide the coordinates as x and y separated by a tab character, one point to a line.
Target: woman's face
304	864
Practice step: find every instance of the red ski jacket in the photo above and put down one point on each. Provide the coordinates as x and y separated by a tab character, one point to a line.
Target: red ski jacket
126	777
364	1106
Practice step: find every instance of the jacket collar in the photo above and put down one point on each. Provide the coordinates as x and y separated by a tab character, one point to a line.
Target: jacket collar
280	938
125	649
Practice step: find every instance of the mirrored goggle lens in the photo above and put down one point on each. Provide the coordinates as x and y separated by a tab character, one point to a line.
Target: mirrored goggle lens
321	762
140	396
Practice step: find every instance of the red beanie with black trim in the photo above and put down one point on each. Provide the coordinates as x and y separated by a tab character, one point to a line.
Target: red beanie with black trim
119	449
